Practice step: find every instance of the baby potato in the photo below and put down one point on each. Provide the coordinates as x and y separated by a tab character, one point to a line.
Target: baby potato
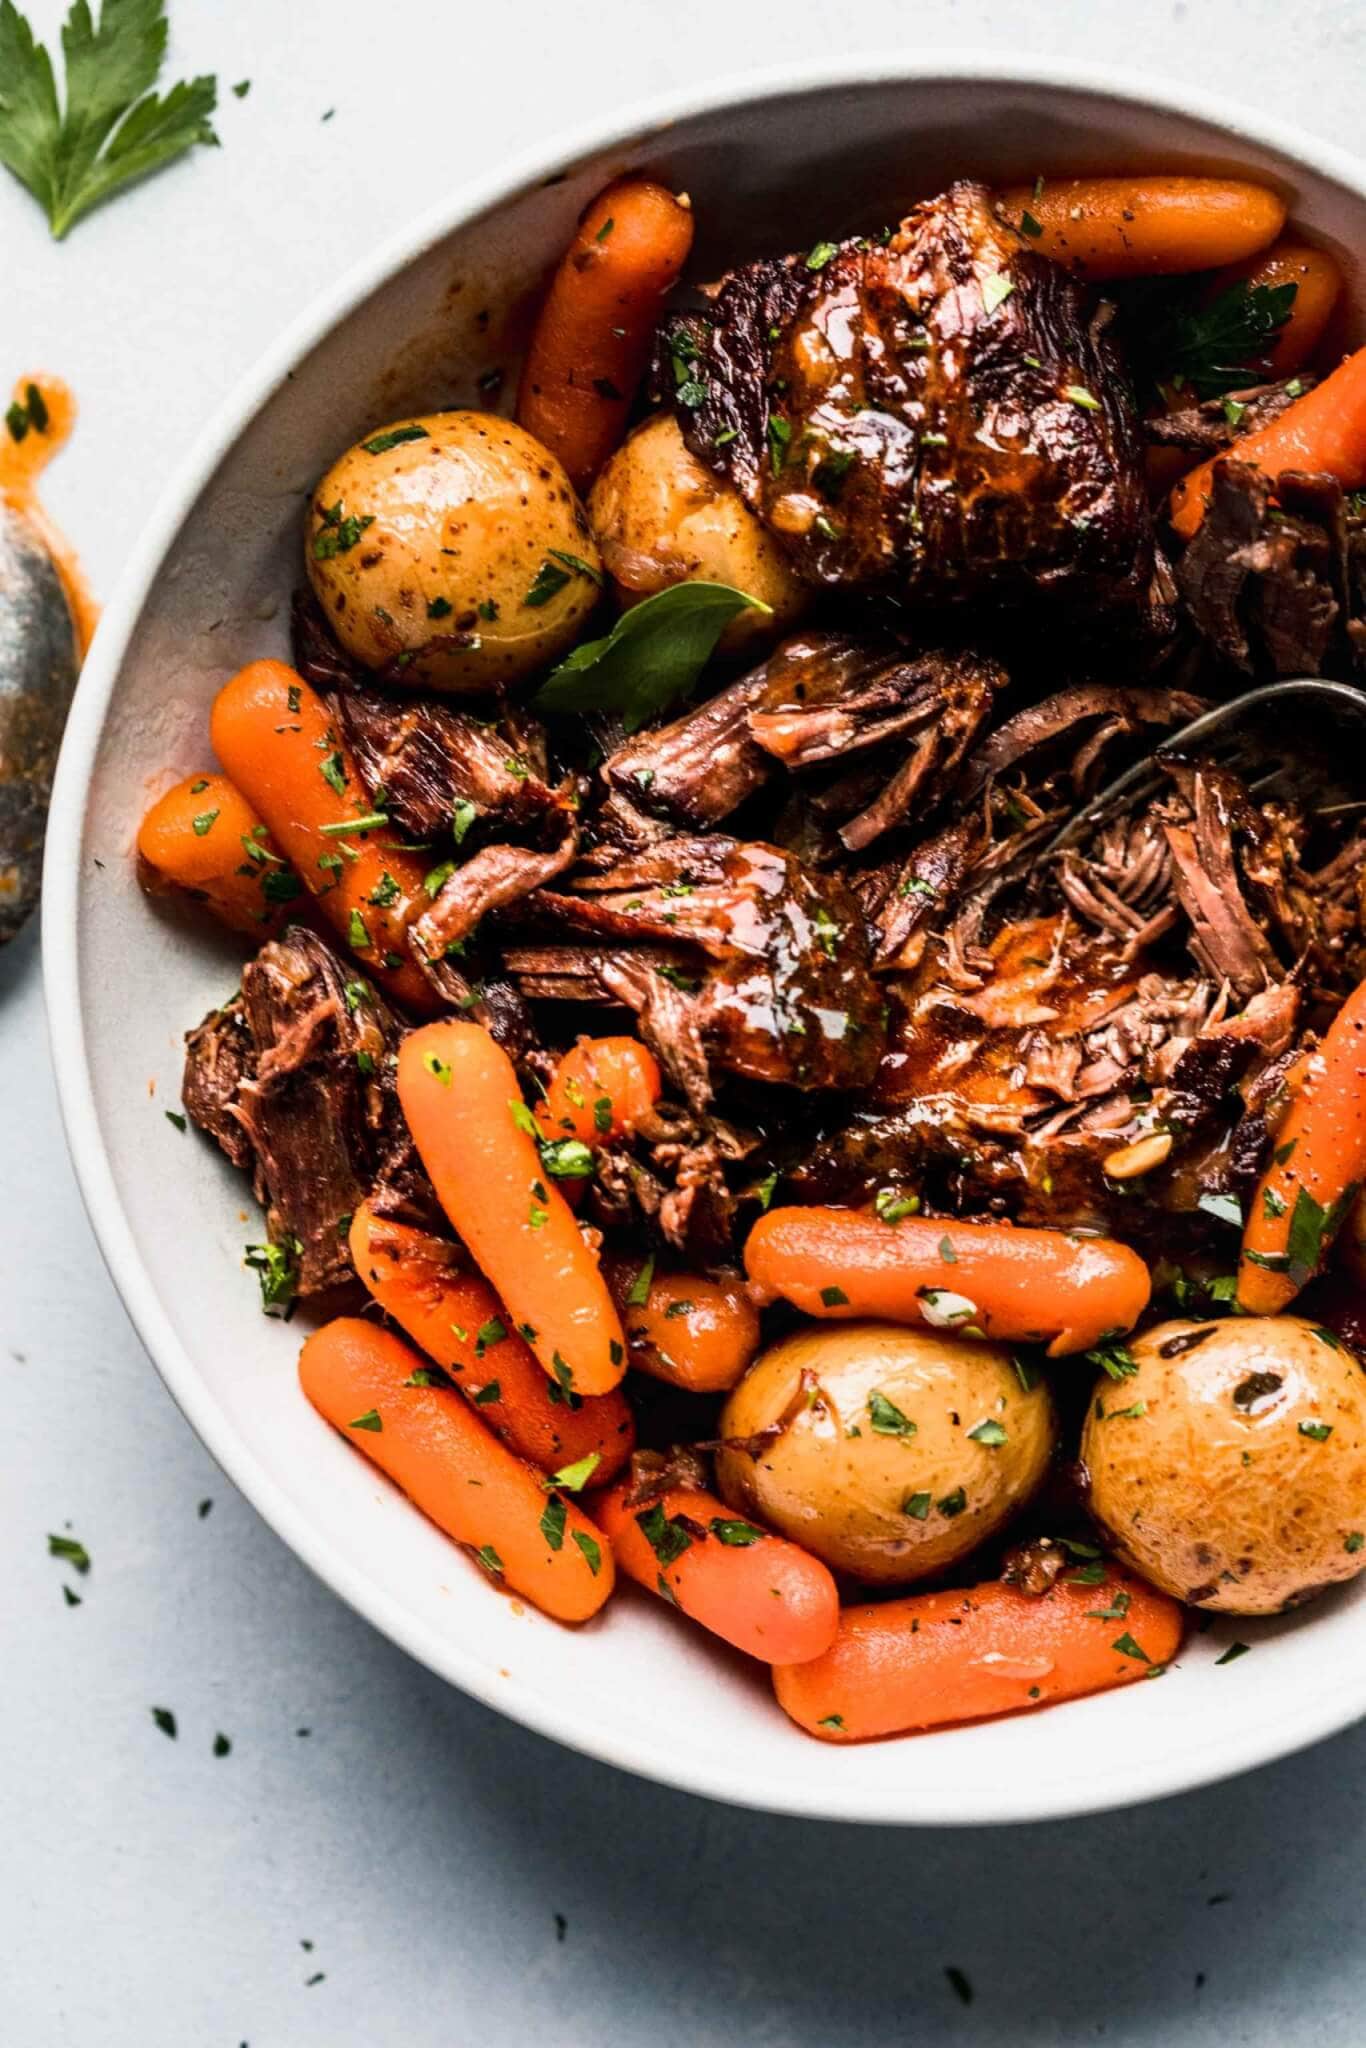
1230	1469
894	1452
660	517
454	545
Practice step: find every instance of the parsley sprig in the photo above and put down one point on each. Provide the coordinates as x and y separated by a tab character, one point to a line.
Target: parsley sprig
111	126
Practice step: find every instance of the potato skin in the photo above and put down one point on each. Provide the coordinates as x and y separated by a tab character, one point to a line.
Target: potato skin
463	516
1214	1492
661	518
839	1487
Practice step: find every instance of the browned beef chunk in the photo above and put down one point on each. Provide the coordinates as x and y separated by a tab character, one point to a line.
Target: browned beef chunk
938	417
728	952
294	1078
1278	589
434	767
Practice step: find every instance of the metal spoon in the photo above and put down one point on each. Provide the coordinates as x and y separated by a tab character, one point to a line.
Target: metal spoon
39	662
1300	737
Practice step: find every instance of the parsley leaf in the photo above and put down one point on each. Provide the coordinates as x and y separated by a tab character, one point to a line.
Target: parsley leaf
655	652
1213	349
113	127
886	1419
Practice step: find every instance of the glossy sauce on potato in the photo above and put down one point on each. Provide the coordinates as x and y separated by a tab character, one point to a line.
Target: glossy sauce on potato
889	1452
451	552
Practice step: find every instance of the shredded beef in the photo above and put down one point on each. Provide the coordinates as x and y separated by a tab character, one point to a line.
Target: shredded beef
295	1079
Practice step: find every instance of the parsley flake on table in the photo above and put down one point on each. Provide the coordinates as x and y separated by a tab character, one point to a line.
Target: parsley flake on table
70	1551
110	127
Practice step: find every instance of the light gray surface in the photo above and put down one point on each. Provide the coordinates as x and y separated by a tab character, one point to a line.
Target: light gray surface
154	1896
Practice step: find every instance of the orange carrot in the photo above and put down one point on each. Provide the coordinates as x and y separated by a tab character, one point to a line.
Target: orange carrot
600	1089
753	1589
1317	1167
1323	431
691	1331
935	1658
274	736
1145	225
979	1279
458	1320
370	1385
465	1110
204	837
592	339
1317	279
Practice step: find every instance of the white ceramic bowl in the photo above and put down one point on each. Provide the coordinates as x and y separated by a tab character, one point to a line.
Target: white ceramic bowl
772	164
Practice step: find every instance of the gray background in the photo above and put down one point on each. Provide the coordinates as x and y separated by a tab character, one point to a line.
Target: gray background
461	1882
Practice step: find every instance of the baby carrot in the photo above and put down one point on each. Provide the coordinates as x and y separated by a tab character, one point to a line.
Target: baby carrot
1317	1166
592	340
1145	225
460	1095
371	1386
754	1590
934	1658
458	1320
980	1279
600	1089
694	1332
204	837
1317	279
274	736
1323	431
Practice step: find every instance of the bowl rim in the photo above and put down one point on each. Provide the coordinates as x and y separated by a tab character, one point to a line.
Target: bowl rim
1324	1710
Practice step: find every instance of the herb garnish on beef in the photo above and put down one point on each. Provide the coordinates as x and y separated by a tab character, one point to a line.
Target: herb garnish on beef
939	416
294	1078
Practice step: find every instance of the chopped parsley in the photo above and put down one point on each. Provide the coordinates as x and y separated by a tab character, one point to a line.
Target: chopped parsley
666	1537
550	580
1113	1358
70	1551
371	1420
1318	1431
890	1205
1233	1653
165	1721
340	531
489	1558
917	1506
573	1478
1127	1647
392	437
1079	395
995	291
276	1266
552	1523
333	772
886	1419
566	1158
205	823
590	1547
736	1535
818	257
488	1334
989	1432
953	1503
638	1293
